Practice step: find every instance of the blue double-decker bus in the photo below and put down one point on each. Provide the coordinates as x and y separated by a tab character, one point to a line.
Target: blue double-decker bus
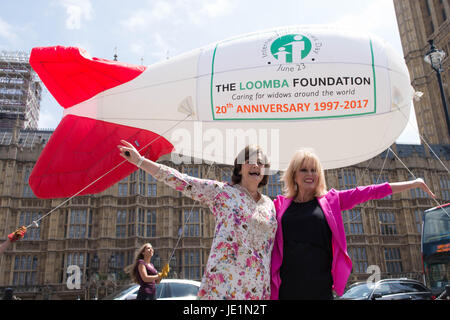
436	248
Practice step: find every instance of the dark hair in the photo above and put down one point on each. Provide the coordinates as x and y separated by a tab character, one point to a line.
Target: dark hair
249	152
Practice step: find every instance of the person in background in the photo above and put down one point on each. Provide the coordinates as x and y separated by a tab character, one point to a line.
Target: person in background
9	295
145	274
12	237
310	256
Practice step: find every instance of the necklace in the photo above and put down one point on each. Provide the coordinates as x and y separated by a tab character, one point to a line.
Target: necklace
258	194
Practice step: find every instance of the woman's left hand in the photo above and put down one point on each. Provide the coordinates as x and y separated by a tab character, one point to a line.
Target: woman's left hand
422	185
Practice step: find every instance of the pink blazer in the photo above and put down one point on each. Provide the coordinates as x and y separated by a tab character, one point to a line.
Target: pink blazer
332	204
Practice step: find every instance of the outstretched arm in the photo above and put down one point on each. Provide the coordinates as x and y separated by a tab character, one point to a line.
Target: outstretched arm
4	245
407	185
348	199
14	236
203	190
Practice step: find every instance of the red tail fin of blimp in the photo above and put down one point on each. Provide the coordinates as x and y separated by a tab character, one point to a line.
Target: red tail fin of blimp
83	149
72	76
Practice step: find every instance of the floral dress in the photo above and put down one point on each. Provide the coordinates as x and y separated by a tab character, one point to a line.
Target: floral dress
238	266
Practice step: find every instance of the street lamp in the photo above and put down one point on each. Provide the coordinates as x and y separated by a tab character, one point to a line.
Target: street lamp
112	264
156	261
92	285
95	264
173	263
435	58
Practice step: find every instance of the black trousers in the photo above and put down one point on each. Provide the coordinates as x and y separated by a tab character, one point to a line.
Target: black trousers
145	296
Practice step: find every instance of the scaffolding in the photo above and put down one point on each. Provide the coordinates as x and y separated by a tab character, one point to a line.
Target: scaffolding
20	91
25	138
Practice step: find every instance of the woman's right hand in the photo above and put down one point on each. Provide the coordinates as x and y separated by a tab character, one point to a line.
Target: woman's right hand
129	152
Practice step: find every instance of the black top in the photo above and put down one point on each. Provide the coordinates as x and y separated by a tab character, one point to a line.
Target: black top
307	253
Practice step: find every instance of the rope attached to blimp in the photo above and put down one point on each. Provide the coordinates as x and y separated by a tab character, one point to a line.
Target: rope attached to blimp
185	107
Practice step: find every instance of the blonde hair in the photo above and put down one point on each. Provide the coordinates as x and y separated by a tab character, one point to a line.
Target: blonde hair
299	158
131	269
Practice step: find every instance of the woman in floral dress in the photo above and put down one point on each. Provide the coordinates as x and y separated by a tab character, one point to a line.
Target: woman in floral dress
238	266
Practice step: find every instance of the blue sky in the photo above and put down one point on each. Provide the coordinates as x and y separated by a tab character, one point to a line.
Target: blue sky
147	31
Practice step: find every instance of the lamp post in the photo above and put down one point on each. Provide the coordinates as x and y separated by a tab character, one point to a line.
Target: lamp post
112	265
95	264
93	278
156	261
435	58
173	271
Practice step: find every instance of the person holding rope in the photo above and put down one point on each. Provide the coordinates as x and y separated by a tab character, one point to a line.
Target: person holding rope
12	237
309	257
145	274
238	265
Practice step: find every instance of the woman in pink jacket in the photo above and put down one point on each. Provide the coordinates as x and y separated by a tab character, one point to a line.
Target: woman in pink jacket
309	257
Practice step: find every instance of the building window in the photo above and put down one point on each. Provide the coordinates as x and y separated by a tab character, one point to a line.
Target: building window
27	192
131	222
353	223
418	220
192	171
25	270
191	264
226	174
141	222
381	178
80	223
191	223
393	260
417	192
273	187
77	259
151	223
444	183
387	222
120	260
27	218
121	223
123	187
347	178
151	186
141	183
359	259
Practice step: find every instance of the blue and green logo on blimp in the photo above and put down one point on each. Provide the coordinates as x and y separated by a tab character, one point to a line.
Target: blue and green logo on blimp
291	48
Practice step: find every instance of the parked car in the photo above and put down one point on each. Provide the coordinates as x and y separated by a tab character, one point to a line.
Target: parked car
167	289
388	289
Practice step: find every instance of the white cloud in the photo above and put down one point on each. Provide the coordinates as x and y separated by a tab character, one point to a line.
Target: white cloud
138	20
161	47
196	12
157	48
213	9
77	11
370	19
6	31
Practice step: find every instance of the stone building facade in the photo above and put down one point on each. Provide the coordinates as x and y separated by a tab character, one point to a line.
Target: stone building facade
100	233
420	21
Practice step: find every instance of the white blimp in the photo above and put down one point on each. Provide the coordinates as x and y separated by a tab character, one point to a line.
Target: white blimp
346	95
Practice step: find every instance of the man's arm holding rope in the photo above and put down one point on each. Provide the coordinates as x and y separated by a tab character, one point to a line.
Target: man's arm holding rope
14	236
